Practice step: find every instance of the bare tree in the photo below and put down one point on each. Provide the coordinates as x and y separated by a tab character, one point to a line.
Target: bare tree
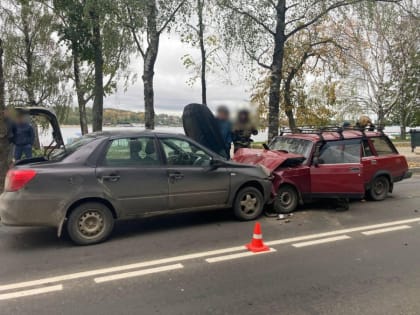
384	58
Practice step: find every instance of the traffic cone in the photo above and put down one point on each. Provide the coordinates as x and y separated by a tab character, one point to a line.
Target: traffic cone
257	244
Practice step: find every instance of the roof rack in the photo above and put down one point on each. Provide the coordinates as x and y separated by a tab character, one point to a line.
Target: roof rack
319	130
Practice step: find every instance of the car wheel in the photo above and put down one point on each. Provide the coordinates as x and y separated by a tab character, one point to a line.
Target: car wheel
249	203
287	199
380	188
90	223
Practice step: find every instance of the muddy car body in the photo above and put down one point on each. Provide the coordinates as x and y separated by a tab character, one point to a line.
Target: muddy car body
119	175
330	163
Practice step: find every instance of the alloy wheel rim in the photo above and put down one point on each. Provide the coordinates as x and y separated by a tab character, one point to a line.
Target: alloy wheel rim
249	203
91	223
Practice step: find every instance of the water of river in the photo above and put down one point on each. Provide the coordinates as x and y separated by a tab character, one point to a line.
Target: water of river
70	132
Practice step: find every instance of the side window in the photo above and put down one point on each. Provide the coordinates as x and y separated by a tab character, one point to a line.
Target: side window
366	148
182	152
132	152
340	152
382	146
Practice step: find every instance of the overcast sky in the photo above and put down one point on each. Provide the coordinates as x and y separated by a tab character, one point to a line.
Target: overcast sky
172	92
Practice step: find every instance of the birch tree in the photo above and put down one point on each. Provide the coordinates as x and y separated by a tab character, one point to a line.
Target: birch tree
384	55
33	60
74	29
147	21
262	29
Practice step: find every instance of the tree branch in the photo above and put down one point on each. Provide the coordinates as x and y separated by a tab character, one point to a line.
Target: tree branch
171	16
326	11
252	17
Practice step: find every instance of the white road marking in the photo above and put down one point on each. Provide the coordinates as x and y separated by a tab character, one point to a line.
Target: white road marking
138	265
14	295
390	229
96	272
337	232
138	273
235	256
322	241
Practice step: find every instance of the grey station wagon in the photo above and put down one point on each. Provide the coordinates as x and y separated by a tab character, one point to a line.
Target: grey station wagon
107	176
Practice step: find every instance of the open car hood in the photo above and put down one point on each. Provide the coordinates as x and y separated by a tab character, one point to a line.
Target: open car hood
50	116
268	158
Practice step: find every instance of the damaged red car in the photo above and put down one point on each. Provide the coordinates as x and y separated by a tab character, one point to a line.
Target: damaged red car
328	163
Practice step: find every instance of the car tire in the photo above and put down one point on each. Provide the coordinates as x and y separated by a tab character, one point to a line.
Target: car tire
90	223
248	204
379	188
287	200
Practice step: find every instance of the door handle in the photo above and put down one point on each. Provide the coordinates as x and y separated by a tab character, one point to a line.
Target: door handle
111	178
354	169
176	176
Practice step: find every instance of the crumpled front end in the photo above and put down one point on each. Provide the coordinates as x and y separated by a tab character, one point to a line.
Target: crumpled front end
271	160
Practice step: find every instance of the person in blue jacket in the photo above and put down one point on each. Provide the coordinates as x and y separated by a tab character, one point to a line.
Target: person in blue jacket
223	118
23	138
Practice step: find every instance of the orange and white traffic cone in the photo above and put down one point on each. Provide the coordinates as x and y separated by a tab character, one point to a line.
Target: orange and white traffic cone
257	243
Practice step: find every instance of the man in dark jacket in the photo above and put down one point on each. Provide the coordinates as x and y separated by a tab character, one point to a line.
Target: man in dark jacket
23	138
225	127
243	129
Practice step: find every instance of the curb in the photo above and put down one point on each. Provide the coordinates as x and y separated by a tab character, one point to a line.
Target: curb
415	170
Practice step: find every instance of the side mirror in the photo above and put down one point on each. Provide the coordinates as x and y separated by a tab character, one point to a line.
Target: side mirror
265	146
215	163
315	161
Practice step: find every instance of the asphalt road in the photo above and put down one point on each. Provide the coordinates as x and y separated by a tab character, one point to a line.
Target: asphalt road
362	261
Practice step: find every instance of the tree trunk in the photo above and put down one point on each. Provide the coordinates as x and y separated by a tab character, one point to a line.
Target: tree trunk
149	115
403	128
4	141
98	102
288	104
149	65
200	6
276	71
80	94
381	118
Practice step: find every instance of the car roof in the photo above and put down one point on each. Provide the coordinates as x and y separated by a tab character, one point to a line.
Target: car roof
118	133
333	135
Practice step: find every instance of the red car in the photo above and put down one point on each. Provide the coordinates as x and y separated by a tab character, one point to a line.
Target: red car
328	163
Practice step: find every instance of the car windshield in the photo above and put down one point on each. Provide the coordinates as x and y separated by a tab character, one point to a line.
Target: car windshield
70	148
292	145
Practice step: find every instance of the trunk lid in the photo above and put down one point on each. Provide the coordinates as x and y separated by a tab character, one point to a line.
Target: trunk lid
268	158
50	116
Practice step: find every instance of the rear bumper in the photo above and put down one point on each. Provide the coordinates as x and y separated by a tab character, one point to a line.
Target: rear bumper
406	175
16	209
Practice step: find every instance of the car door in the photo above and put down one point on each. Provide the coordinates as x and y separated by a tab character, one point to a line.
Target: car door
193	183
338	171
132	173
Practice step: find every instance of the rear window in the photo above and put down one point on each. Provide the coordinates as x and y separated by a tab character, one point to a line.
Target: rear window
340	152
382	146
71	148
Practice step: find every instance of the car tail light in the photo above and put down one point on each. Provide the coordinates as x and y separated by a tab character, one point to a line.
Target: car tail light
17	179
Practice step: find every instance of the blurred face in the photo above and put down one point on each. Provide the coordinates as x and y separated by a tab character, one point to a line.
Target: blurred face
243	117
222	115
20	119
